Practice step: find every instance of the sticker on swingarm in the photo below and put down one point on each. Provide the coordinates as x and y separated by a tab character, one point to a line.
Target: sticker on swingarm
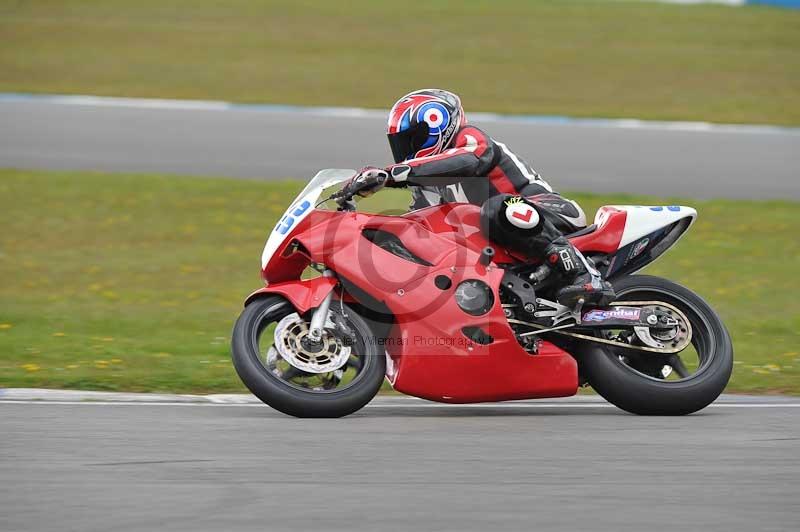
628	314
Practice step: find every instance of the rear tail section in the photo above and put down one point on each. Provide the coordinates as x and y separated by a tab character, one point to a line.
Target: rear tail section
634	236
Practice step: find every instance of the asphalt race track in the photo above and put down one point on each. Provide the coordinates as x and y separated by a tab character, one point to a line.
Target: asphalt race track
258	142
399	464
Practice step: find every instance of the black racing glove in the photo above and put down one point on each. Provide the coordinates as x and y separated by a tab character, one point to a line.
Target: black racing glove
366	182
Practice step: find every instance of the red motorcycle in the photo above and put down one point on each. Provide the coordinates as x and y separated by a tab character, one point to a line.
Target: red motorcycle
425	300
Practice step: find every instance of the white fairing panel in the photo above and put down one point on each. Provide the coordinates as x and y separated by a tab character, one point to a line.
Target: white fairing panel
643	220
301	207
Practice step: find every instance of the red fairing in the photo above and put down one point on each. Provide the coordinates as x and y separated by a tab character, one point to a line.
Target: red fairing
288	263
430	354
607	236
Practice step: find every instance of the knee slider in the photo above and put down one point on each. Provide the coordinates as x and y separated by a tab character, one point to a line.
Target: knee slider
513	222
521	213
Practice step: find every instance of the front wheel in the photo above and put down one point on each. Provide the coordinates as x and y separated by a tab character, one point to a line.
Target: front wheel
332	377
653	384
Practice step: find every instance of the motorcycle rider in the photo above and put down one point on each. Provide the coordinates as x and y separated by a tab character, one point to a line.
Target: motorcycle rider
443	159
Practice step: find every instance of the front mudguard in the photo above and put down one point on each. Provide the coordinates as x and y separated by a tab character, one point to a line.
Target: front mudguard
302	294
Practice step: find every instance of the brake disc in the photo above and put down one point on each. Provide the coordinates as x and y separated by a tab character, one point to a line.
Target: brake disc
296	347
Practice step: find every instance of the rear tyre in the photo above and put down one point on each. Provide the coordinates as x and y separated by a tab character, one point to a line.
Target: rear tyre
283	387
635	387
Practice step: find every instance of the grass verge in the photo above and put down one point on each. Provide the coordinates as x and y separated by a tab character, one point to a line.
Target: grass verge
132	282
565	57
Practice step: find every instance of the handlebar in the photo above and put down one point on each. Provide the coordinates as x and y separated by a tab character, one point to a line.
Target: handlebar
344	200
344	197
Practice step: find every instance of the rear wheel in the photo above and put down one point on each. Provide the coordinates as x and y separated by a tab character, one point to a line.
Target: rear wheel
656	384
333	377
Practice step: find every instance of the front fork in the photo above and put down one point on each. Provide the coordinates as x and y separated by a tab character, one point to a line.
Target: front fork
320	316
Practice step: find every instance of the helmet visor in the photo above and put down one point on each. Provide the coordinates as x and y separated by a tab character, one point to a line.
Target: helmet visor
406	143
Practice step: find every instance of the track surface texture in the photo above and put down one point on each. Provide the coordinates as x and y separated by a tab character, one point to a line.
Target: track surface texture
399	464
270	144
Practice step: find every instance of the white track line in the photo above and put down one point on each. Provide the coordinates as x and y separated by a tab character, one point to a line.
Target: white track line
357	112
397	406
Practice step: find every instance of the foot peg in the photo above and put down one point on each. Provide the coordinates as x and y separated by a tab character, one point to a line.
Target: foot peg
558	312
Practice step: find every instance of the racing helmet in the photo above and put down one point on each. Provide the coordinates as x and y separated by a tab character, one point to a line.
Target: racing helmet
424	123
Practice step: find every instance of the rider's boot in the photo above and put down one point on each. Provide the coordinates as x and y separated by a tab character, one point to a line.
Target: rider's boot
581	278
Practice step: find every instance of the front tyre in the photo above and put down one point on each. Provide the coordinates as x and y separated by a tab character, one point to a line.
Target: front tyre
306	384
652	384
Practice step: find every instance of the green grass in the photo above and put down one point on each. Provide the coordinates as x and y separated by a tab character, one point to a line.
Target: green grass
582	58
132	282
